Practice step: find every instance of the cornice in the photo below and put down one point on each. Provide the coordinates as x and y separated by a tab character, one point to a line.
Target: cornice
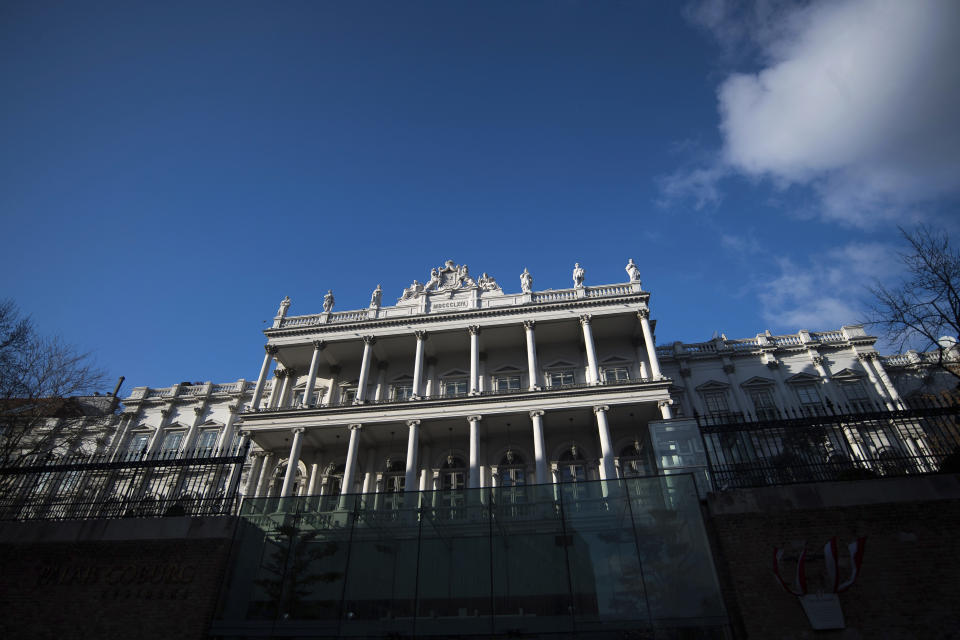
422	319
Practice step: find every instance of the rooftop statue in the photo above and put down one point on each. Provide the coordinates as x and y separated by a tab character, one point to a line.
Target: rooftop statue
328	301
578	274
633	271
464	276
413	291
487	283
526	281
376	297
284	306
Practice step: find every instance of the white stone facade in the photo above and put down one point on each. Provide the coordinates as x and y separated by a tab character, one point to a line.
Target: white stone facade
460	384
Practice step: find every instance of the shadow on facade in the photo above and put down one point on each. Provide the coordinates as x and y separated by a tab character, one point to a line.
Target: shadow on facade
587	559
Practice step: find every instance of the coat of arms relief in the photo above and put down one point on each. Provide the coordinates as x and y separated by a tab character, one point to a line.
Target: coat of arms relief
449	278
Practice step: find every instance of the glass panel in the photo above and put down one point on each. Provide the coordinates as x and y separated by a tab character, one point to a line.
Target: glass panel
454	388
171	442
558	378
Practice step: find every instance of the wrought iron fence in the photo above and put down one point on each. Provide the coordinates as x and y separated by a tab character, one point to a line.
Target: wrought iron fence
198	482
832	443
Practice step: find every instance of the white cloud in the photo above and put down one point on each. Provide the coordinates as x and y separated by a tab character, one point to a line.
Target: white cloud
858	99
702	185
828	289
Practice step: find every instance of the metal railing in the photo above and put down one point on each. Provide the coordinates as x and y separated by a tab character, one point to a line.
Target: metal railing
850	442
81	487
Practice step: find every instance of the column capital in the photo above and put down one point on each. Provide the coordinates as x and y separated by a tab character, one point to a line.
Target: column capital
165	411
258	454
643	314
431	361
199	411
538	413
413	423
474	329
291	373
863	357
354	427
280	373
335	369
529	324
319	345
383	365
585	318
474	418
421	334
601	407
271	349
369	340
729	368
664	403
233	408
243	433
817	360
297	430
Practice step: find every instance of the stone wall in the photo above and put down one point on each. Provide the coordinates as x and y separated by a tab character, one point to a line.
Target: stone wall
910	576
144	578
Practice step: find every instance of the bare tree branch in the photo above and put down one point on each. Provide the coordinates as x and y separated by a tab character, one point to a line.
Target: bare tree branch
923	311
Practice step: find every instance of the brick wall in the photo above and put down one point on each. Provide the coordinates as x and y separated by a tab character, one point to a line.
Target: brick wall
910	578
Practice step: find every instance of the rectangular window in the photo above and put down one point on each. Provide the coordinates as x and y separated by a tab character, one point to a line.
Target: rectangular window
171	442
616	374
560	378
809	399
138	443
207	440
506	383
856	396
763	404
348	395
716	402
402	391
455	387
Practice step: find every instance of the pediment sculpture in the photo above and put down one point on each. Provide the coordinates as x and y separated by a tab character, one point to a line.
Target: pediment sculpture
447	278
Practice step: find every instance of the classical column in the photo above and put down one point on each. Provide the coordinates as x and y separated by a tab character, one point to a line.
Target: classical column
314	479
331	396
431	385
370	477
887	382
381	388
350	468
293	462
642	356
318	346
482	374
418	365
730	370
368	342
253	475
607	472
266	471
665	411
157	438
426	471
820	364
593	372
226	436
539	449
474	358
532	367
865	361
188	439
233	477
279	386
289	382
474	451
271	351
644	315
413	441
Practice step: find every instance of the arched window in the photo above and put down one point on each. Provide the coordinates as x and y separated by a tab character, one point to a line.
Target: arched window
632	460
511	471
333	476
572	466
453	474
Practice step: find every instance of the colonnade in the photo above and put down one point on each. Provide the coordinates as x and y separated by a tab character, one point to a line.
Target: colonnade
286	378
260	475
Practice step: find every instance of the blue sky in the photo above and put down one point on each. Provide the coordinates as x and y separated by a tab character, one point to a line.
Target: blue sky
171	170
